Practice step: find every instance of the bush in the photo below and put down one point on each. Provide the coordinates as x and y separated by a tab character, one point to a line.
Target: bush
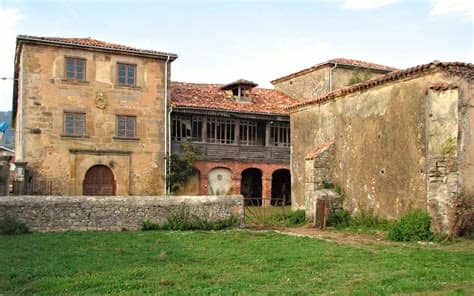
10	226
183	220
339	217
365	218
413	226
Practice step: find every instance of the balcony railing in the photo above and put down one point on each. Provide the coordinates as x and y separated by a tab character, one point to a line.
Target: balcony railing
211	151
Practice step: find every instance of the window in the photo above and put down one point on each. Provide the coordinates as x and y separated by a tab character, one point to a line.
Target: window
74	123
126	126
75	68
127	74
248	133
221	131
280	134
186	127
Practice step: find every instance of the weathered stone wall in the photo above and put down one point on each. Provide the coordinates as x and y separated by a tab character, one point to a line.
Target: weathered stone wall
316	83
44	96
112	213
380	157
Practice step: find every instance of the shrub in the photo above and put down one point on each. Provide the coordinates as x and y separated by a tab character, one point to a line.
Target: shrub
339	217
10	226
364	218
413	226
183	220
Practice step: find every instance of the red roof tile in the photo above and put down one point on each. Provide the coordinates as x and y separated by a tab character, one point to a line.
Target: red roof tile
338	61
465	69
211	96
94	43
318	150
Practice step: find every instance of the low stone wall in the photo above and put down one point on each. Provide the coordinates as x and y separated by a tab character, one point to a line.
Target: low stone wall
112	213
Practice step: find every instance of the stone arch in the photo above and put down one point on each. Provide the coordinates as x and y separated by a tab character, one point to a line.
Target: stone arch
251	186
281	187
219	181
99	180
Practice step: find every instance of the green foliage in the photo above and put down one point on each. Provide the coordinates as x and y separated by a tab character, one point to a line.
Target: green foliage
339	217
367	218
291	218
181	167
450	146
10	226
182	219
359	75
413	226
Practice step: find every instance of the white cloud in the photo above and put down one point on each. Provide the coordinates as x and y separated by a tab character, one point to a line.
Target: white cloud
465	8
9	17
366	4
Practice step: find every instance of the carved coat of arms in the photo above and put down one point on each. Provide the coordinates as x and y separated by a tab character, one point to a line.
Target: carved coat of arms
100	101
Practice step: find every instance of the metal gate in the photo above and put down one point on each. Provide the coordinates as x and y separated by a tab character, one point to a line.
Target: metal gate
257	214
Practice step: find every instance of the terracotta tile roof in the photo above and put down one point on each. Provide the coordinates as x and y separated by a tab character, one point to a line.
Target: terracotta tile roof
211	96
338	61
440	86
458	68
94	43
318	150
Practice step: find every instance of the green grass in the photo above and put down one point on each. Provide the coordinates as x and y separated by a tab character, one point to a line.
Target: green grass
226	263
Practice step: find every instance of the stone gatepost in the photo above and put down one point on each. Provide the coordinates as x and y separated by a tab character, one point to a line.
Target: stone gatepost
20	175
4	174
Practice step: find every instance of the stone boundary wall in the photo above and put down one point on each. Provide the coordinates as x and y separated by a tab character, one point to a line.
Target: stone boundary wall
112	213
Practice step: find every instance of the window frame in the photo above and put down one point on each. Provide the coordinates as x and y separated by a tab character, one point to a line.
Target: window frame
221	131
180	132
125	135
74	120
75	59
279	130
127	66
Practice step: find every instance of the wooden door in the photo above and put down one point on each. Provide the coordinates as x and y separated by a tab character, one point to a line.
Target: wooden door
99	180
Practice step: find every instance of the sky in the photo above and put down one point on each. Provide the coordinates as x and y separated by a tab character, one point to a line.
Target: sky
260	40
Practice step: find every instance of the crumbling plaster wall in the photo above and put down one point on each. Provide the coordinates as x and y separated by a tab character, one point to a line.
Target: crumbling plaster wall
380	151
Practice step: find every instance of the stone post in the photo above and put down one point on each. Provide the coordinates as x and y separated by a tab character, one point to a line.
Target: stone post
4	174
20	176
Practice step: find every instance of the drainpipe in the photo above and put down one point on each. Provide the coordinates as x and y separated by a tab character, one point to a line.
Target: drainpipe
330	76
166	189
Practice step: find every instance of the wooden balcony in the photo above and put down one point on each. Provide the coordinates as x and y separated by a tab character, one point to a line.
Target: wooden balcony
258	153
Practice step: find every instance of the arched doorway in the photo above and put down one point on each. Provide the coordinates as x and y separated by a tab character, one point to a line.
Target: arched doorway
251	187
281	188
99	180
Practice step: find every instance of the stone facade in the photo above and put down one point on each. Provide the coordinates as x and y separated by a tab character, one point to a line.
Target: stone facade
112	213
43	95
319	81
391	143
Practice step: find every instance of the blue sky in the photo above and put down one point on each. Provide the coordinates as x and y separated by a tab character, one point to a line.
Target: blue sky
220	41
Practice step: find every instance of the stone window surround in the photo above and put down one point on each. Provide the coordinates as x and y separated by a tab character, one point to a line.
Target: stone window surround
124	137
75	112
84	78
127	66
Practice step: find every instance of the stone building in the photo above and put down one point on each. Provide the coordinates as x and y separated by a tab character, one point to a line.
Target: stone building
327	76
398	141
242	136
90	116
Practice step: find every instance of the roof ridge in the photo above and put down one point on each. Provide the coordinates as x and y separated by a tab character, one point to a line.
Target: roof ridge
391	76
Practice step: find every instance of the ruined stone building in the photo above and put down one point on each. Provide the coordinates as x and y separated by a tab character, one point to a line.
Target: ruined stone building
90	116
326	77
242	136
397	141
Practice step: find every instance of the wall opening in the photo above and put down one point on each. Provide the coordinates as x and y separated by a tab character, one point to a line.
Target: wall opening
99	180
281	188
219	181
251	187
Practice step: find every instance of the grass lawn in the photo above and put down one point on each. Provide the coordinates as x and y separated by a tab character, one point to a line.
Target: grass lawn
225	263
